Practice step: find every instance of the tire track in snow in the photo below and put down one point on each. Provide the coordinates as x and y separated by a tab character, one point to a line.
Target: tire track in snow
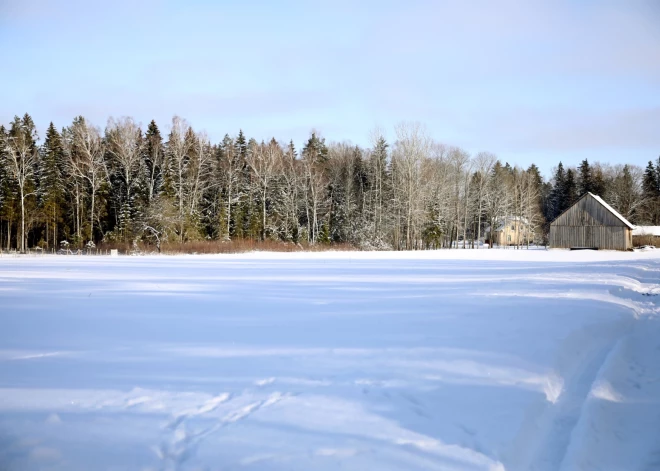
548	432
182	442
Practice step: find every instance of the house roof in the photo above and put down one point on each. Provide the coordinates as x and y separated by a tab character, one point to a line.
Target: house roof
647	230
612	210
504	221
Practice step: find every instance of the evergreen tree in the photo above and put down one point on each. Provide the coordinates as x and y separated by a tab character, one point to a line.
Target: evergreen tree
7	193
315	149
241	145
379	187
534	171
557	199
651	193
651	182
598	186
585	183
51	186
154	159
570	190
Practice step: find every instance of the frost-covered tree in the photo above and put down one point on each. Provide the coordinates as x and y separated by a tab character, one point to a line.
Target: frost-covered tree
87	163
21	159
125	146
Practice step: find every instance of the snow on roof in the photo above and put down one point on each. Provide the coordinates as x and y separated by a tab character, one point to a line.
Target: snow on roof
647	230
612	210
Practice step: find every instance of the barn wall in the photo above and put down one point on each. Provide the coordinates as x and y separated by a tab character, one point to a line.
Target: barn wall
603	237
589	224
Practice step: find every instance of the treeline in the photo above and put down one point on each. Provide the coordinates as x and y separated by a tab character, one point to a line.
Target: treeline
82	186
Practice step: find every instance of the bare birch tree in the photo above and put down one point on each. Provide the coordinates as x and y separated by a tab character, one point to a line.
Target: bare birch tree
411	148
21	158
87	163
264	160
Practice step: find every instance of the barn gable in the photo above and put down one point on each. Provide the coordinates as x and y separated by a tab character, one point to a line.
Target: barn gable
591	223
591	210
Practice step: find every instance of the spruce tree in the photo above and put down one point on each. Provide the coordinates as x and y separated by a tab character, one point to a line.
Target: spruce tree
52	187
585	184
570	190
315	149
557	198
153	157
651	193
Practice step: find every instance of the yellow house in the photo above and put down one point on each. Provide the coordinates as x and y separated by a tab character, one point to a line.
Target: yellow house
512	230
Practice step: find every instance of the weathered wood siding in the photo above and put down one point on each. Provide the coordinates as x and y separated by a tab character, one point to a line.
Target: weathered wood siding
589	224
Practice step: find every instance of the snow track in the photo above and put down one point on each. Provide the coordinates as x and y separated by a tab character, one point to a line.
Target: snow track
332	361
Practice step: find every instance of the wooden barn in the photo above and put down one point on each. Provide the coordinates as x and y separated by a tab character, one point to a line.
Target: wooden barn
591	223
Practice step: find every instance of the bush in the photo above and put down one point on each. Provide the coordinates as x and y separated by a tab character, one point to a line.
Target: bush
219	247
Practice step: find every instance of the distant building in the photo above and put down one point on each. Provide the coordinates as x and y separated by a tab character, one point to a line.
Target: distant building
591	223
511	230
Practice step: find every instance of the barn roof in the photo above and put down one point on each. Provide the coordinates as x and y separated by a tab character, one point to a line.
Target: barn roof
612	210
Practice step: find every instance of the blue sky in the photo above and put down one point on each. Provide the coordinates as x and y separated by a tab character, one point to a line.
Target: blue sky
530	80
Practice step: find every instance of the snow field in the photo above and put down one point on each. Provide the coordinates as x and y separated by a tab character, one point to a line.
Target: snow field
448	360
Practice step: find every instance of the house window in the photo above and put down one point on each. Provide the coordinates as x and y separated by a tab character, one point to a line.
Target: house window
513	228
508	238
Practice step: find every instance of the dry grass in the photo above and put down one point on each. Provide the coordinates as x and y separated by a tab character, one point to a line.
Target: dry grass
639	240
219	247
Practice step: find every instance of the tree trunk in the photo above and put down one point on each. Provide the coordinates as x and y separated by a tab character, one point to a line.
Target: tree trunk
22	221
228	210
479	224
263	215
54	228
91	218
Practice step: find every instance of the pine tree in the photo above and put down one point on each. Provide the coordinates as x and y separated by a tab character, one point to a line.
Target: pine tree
51	186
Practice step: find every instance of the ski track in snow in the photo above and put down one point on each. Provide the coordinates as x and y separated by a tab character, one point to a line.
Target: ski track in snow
548	361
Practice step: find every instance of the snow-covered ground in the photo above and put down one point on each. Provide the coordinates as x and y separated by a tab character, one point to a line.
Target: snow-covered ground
449	360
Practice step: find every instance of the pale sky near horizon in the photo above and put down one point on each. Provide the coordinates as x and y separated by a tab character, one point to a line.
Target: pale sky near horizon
529	80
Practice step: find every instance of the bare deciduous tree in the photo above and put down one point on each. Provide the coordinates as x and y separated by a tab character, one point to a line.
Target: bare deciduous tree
87	162
21	161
